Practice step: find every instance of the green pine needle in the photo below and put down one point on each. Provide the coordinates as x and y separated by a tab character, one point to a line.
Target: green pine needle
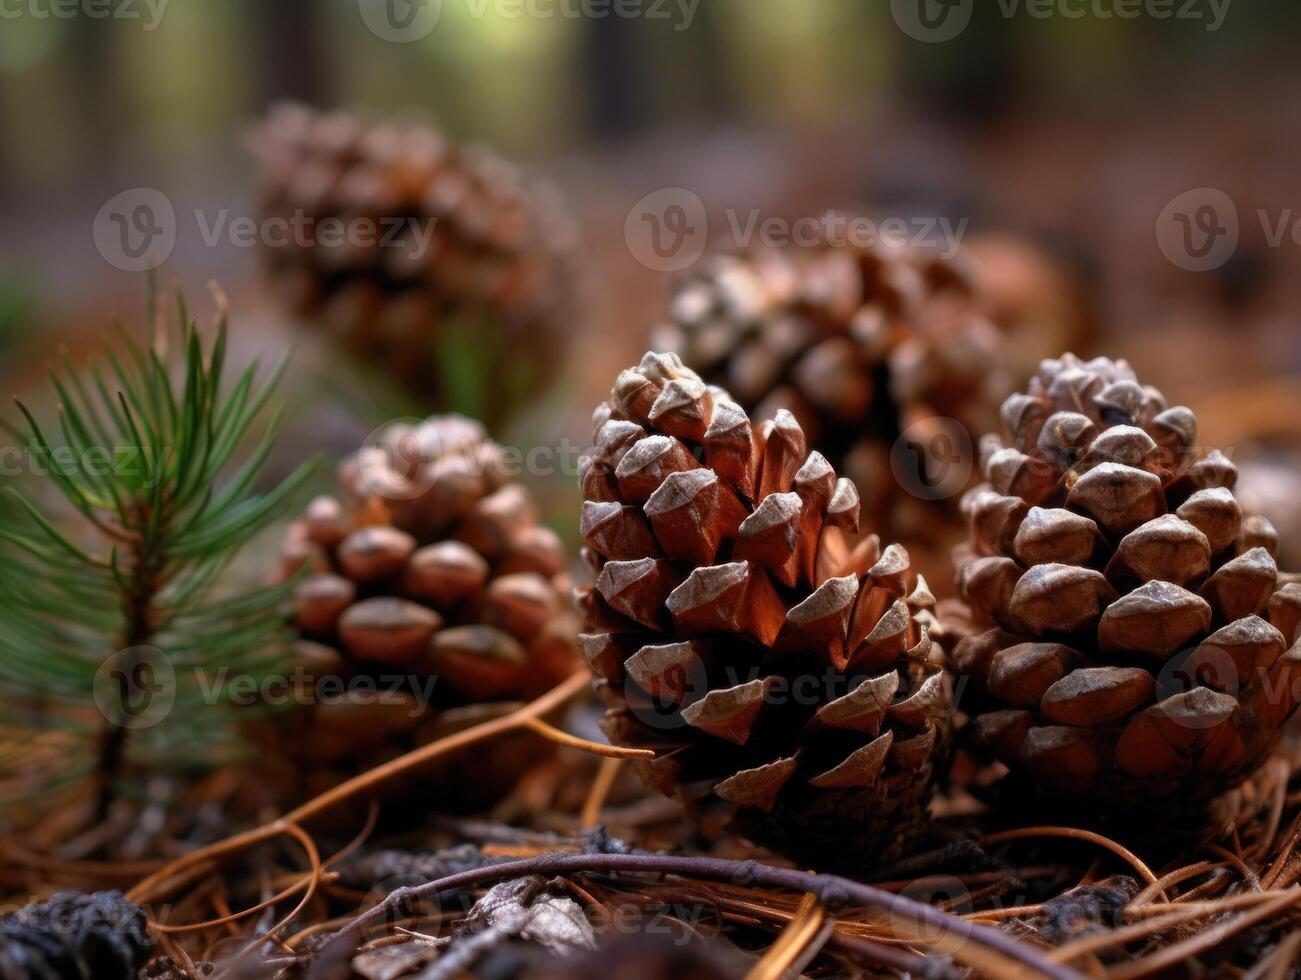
144	461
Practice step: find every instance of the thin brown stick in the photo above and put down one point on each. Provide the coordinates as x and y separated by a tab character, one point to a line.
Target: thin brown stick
1269	878
1238	863
1205	939
980	946
1276	966
1278	769
151	887
1162	917
1075	833
600	791
309	881
554	734
1012	912
802	929
1178	876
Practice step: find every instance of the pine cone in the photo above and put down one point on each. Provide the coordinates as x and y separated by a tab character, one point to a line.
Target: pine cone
1129	632
434	566
1270	485
71	936
1038	305
463	237
779	673
860	345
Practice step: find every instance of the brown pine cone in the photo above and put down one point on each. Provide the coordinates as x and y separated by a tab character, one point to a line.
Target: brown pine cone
1270	485
432	569
1130	636
465	241
1040	307
782	671
860	345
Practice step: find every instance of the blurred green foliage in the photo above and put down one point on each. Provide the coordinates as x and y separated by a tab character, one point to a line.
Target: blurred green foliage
81	92
17	308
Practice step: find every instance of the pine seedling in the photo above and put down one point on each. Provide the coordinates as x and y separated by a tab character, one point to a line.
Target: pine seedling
120	625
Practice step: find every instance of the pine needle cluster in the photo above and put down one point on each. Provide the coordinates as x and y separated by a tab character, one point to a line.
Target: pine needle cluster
120	627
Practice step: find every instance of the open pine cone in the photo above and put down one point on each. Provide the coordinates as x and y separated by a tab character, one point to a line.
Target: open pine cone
861	345
434	566
463	238
782	672
1130	638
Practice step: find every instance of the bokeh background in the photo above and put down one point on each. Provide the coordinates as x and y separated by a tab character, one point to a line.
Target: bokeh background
1074	123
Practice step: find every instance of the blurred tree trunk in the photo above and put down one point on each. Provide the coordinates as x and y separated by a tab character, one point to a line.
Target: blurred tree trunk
288	38
90	50
612	69
973	81
699	53
8	166
635	69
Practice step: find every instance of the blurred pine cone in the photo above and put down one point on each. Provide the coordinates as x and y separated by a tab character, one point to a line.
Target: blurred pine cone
781	669
1271	486
434	566
71	936
1040	307
861	346
1128	629
470	257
